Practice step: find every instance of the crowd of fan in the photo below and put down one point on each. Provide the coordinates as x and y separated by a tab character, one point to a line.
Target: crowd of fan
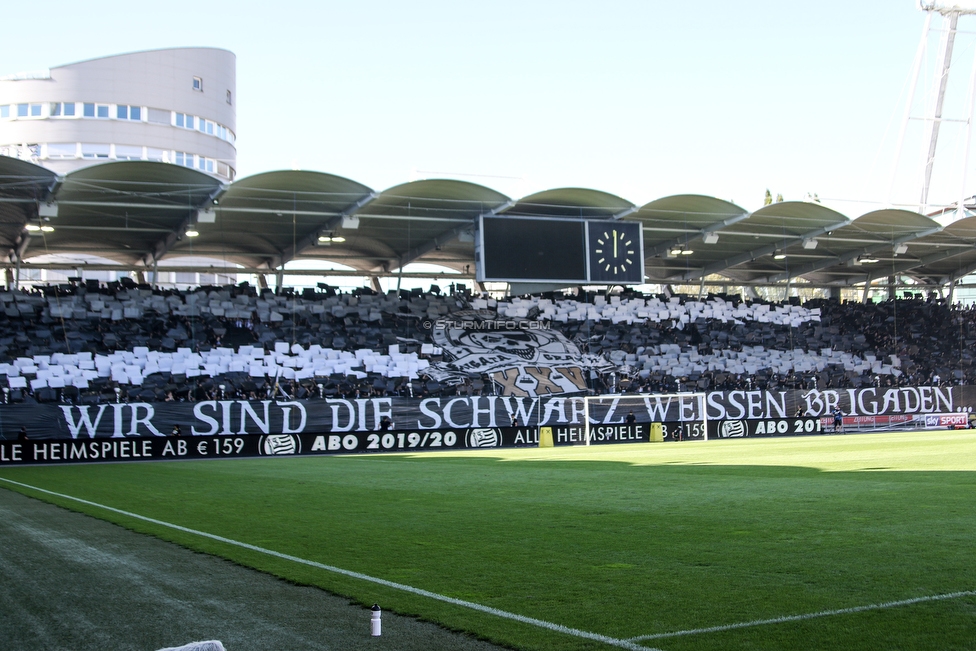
373	344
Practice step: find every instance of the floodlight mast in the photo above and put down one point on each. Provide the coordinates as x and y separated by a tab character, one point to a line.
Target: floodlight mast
950	11
946	8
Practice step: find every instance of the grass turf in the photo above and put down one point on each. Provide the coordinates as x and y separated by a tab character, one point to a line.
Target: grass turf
622	541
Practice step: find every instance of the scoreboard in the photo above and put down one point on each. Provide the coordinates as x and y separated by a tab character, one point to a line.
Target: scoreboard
553	250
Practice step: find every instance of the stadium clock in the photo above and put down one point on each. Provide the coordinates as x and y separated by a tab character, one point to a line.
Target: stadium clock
615	252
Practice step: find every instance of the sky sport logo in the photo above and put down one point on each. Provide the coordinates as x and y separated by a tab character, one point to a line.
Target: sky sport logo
280	444
487	324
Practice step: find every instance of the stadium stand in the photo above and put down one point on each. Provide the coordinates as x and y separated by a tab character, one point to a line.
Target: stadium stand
86	343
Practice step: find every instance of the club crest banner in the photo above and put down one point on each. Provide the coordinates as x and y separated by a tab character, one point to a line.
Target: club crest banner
524	357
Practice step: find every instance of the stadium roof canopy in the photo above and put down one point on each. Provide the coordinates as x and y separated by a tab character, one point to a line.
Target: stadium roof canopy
139	213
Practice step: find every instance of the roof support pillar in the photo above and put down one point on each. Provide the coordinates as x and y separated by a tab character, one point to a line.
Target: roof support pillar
279	279
952	289
262	281
10	278
375	282
867	289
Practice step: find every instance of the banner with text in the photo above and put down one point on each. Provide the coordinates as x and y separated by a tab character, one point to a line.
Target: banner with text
456	413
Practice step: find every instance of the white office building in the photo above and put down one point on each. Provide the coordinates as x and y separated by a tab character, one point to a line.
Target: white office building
174	105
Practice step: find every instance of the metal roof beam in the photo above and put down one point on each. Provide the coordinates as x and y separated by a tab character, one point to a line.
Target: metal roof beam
850	255
52	190
425	248
413	218
694	236
163	245
749	256
332	223
623	213
921	262
124	204
961	274
447	236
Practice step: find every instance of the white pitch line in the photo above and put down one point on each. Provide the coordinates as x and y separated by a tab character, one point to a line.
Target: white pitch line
799	618
631	645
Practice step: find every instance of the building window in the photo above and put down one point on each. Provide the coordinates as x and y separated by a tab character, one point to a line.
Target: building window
95	151
123	112
5	111
184	120
158	116
62	150
229	97
155	154
63	109
128	152
28	110
198	84
95	110
184	159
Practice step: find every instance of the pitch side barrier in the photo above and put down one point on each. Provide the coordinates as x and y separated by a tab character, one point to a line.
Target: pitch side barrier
879	407
161	448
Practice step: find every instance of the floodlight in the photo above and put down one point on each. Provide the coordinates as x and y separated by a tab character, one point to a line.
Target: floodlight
710	238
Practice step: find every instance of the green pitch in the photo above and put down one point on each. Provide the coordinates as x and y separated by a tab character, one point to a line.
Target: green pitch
624	541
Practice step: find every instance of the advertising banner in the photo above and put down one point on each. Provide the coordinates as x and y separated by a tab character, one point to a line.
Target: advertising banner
149	448
732	429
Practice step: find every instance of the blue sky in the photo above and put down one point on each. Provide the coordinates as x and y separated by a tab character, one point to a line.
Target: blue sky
642	99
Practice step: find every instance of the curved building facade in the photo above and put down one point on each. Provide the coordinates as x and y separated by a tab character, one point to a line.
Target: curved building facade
174	105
